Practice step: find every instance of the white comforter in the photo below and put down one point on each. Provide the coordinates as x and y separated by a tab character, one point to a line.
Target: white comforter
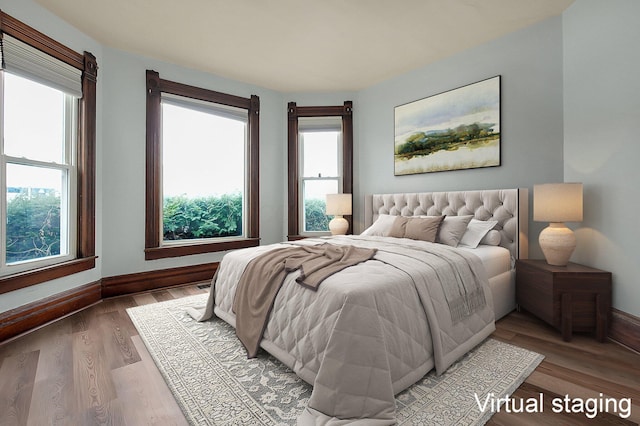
371	330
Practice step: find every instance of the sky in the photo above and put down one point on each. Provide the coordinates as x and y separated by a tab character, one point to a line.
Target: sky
203	154
478	102
22	139
320	160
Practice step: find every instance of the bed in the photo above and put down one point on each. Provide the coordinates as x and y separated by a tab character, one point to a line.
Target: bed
375	328
510	207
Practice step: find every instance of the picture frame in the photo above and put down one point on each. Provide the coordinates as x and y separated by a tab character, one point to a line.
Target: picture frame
453	130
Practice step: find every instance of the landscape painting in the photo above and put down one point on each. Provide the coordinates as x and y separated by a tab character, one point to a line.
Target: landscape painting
458	129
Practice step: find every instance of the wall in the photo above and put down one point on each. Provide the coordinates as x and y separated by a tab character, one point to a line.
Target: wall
601	149
530	63
49	24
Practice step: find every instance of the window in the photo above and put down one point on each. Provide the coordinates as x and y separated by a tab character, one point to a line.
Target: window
320	142
202	169
320	163
47	161
38	173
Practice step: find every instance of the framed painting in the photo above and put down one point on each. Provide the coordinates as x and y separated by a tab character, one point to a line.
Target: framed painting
454	130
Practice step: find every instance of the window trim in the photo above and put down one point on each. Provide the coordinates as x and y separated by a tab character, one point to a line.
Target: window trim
153	244
85	157
294	112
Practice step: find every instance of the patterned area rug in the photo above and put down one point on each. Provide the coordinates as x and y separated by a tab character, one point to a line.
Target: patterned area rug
206	368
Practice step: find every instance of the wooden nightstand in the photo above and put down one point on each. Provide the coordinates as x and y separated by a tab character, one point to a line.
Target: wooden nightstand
570	298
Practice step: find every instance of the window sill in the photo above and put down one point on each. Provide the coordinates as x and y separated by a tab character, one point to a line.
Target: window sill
154	253
36	276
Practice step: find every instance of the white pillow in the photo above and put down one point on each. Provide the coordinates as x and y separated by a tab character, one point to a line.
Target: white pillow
492	238
381	226
452	229
476	230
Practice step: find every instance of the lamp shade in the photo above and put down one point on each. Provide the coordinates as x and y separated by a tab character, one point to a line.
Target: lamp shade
338	204
557	202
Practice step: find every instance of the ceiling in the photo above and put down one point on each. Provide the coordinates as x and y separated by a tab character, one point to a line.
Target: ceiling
301	45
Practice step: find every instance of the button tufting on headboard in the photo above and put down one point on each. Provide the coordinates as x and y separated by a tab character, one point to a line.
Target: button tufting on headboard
508	206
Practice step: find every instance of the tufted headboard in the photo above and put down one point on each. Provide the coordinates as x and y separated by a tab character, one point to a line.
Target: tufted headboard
510	207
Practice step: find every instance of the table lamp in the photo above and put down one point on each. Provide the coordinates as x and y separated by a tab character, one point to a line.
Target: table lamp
338	205
557	203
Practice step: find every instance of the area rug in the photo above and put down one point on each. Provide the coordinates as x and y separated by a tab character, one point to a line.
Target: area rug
207	370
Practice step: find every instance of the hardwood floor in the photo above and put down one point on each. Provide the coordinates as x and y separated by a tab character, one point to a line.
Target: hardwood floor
582	369
91	368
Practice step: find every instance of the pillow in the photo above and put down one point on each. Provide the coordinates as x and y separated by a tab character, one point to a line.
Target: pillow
452	229
492	238
416	228
381	226
476	230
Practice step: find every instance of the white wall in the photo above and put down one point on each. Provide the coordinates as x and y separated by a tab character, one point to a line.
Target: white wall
601	146
35	16
530	63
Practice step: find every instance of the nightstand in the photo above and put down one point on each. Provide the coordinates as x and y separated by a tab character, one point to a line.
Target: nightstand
570	298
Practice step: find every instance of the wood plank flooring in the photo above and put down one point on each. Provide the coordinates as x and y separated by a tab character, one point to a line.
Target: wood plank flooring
91	368
582	369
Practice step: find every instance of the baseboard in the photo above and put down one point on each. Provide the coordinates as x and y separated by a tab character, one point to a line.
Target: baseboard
41	312
625	329
145	281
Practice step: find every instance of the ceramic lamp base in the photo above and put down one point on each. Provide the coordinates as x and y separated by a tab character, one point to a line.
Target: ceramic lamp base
338	225
557	243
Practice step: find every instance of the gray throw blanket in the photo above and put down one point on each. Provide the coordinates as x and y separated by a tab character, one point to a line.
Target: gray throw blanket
264	275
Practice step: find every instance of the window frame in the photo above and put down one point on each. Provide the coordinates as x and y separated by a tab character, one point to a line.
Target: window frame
295	112
154	249
85	158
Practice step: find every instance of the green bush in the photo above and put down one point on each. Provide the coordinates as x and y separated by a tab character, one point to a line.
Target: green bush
33	222
315	218
204	217
33	226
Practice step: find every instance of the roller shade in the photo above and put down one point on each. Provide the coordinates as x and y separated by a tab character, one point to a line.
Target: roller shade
26	61
226	111
320	124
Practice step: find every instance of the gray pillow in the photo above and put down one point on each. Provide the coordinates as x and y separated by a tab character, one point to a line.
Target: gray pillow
452	229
